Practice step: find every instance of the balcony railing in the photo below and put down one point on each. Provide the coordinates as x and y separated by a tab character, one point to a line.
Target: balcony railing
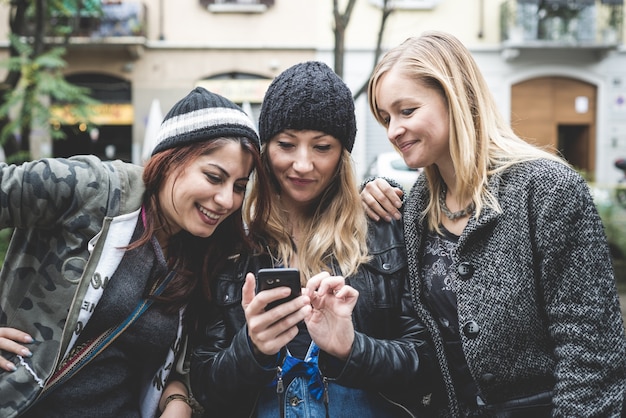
96	19
123	19
562	23
237	6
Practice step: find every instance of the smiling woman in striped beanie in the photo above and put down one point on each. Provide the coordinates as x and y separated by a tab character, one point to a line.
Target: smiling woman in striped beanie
114	260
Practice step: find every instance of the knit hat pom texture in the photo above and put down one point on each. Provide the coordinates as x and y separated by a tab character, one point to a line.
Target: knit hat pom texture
309	96
203	116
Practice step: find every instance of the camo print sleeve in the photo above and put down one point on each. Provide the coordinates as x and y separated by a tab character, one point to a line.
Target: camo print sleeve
56	207
44	193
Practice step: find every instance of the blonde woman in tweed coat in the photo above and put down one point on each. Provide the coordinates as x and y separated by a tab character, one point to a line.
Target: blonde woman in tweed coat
508	259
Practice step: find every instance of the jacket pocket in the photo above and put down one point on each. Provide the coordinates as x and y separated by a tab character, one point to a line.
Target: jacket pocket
228	291
382	280
388	262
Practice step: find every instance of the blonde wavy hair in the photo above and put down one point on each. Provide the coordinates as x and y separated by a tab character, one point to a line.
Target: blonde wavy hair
334	235
482	143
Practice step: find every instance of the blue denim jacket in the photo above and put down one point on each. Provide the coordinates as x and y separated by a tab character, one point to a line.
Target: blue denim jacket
299	399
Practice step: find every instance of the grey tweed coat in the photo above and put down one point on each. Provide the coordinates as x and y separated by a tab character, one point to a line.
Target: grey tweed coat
537	302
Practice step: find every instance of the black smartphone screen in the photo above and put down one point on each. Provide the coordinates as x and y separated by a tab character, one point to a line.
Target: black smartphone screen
276	277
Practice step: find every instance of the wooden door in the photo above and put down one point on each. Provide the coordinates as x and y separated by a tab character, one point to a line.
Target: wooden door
558	113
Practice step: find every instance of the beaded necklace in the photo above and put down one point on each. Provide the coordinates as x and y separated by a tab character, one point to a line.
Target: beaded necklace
453	215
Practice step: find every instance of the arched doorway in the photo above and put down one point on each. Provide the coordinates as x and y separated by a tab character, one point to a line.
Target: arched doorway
245	89
112	139
558	113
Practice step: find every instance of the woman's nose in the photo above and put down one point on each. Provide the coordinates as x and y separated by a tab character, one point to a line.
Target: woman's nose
224	197
394	131
302	162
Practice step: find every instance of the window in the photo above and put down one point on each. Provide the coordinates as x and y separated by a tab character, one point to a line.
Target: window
237	6
408	4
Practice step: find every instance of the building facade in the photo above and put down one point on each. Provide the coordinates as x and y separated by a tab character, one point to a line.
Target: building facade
557	68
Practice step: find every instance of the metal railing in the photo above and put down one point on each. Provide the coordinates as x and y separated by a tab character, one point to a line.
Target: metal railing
96	20
562	22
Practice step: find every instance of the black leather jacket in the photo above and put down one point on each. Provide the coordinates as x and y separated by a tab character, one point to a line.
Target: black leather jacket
390	356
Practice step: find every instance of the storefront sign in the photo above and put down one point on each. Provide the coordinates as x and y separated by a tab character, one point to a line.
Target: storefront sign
100	114
238	90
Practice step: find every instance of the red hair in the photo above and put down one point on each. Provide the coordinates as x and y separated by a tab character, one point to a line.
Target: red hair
195	259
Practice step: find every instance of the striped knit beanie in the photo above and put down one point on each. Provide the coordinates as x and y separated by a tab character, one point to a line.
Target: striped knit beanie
309	96
202	116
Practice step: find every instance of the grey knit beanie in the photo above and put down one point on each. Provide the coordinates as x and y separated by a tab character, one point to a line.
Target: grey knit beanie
309	96
202	116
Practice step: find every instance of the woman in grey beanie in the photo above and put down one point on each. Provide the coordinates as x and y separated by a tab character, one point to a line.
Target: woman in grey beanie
327	352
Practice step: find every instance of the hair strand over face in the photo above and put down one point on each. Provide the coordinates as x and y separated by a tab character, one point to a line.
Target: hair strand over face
196	259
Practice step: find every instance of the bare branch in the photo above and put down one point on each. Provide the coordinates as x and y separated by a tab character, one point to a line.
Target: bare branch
386	11
341	23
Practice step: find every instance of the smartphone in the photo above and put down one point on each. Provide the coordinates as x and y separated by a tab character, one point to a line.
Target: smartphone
276	277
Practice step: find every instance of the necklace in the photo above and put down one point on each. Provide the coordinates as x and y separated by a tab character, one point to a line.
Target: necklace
453	215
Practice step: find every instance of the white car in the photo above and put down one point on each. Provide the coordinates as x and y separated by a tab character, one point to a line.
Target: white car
391	165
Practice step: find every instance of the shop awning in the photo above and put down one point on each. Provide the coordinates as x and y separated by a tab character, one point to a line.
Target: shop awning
102	114
238	90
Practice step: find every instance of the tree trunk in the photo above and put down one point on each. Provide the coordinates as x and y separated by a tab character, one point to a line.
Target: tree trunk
31	87
341	23
340	34
17	23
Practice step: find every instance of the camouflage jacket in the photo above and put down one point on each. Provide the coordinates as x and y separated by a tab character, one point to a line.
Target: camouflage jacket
71	219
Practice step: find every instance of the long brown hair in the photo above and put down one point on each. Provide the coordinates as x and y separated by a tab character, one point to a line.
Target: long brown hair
334	233
195	259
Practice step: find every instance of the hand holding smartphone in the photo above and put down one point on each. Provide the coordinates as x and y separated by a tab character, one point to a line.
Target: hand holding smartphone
271	278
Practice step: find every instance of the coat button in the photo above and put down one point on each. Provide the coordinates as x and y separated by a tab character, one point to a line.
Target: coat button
471	329
465	270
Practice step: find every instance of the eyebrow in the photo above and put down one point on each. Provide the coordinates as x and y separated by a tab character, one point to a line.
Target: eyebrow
226	173
323	135
398	101
290	133
391	106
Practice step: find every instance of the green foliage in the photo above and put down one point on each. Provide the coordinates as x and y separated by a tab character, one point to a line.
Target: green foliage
62	14
26	107
587	175
612	210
